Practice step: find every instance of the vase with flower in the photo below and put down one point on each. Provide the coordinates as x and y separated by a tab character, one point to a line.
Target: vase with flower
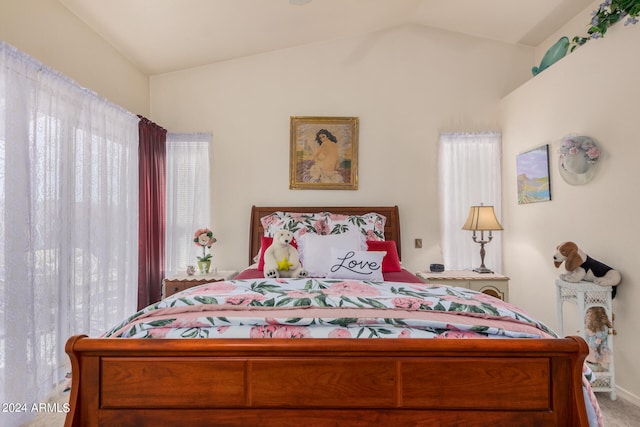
203	237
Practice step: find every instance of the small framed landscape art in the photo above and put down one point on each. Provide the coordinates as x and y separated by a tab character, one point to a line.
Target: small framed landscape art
324	153
533	175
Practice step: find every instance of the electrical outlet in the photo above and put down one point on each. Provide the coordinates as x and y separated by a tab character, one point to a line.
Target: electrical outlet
418	243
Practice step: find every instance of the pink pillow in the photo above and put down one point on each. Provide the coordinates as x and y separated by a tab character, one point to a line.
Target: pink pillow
265	242
391	261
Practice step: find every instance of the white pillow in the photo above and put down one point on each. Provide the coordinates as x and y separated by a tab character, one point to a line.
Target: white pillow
315	250
360	265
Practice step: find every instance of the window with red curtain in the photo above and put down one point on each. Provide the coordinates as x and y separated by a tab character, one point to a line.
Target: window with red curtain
151	239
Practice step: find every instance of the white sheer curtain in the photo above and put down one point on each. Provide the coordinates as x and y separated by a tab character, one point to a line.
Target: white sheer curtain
188	197
68	223
469	175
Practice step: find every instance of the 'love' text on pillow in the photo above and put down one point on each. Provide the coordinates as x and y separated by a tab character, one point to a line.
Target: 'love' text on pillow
356	264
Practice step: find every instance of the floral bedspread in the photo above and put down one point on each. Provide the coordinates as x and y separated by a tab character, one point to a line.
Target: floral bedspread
331	308
325	308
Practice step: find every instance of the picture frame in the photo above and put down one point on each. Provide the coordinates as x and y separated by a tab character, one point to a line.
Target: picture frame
533	177
334	167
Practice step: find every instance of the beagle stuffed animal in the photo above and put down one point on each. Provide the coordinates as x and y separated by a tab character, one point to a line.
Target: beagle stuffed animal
581	266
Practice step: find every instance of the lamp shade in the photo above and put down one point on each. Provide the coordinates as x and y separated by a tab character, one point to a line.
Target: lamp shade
482	218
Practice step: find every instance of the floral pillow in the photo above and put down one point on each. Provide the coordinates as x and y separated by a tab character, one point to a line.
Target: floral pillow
356	265
298	223
371	224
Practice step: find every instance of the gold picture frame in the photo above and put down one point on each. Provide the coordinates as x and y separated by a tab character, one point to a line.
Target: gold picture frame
334	167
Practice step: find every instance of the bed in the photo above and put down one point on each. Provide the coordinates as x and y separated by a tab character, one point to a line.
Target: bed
325	378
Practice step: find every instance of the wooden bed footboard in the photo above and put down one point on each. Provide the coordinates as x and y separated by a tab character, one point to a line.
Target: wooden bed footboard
321	382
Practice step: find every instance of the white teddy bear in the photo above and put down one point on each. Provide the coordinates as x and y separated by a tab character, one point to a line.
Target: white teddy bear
281	258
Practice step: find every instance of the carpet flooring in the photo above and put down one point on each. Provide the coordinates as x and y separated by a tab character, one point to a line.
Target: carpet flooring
619	412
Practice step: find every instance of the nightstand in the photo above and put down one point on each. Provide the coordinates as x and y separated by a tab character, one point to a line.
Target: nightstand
181	281
492	284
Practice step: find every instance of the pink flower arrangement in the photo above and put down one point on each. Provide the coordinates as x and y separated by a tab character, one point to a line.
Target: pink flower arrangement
204	237
572	144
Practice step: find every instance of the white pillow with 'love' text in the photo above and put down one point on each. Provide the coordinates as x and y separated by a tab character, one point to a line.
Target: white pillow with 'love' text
359	265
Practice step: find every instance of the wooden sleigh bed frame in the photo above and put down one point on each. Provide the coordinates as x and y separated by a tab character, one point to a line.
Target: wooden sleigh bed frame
322	382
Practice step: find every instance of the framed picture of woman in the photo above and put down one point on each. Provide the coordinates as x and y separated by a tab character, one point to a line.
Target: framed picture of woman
324	153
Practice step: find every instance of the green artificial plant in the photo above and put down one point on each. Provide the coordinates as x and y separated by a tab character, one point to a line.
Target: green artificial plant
608	13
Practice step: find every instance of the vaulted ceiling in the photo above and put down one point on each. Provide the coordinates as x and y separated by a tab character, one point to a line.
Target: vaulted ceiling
160	36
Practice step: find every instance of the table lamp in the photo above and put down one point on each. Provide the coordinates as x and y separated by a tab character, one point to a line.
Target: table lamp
482	218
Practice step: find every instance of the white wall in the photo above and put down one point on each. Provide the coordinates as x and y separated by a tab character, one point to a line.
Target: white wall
592	91
47	31
406	85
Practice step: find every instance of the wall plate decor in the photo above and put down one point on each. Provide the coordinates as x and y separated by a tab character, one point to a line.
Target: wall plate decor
533	175
324	153
578	160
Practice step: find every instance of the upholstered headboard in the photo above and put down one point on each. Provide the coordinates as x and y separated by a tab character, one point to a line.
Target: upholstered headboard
391	228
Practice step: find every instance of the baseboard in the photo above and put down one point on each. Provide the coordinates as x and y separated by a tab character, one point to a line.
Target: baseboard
629	397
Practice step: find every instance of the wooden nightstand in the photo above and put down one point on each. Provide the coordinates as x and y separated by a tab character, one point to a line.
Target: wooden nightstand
181	281
492	284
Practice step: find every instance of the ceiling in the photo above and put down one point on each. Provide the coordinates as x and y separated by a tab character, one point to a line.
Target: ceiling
160	36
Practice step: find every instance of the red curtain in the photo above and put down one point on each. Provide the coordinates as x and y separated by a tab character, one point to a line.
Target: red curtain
151	226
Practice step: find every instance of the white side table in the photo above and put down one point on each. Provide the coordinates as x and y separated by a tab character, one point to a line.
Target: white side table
587	295
492	284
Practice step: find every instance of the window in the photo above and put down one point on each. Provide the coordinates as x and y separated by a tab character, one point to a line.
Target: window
470	175
188	197
68	222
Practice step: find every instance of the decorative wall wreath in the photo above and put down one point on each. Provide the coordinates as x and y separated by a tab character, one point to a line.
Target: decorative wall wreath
579	158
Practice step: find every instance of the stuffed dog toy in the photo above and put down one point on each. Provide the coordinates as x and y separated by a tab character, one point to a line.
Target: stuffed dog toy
581	266
281	258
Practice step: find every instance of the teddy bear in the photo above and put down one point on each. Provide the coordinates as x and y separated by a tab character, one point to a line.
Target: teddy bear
581	266
281	258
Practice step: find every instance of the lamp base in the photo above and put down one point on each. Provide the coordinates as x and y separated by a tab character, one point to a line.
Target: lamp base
482	269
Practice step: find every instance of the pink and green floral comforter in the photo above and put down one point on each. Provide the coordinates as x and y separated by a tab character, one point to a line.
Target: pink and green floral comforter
324	308
331	308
